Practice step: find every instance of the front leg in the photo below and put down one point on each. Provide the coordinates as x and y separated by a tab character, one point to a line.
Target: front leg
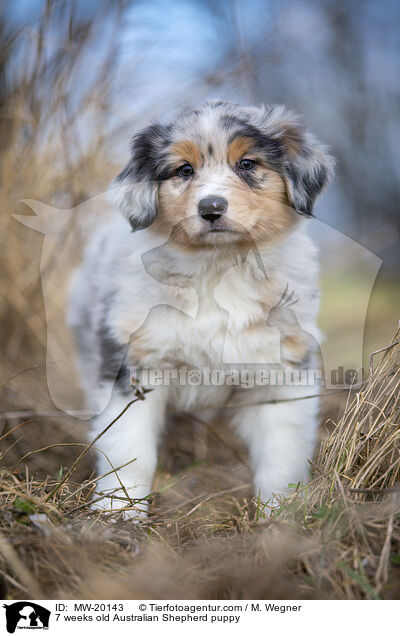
135	435
280	438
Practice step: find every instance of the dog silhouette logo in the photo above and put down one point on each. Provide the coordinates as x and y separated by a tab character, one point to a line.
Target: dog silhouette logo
26	615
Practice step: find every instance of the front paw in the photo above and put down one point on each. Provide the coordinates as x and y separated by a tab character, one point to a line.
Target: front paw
266	503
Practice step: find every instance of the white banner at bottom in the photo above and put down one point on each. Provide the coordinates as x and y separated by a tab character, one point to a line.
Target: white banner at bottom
151	617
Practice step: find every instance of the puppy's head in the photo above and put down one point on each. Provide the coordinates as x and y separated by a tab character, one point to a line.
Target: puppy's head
223	174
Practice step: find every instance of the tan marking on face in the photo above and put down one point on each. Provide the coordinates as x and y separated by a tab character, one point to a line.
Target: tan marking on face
188	151
259	215
239	147
173	206
264	212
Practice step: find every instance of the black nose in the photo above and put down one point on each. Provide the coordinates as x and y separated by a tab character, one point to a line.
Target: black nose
212	208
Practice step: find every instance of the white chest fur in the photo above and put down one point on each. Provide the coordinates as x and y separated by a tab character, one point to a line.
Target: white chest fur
220	324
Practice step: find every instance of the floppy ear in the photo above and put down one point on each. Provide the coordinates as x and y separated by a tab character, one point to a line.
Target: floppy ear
307	165
135	190
137	201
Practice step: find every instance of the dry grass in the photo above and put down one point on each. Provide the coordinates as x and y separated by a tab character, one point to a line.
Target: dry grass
338	537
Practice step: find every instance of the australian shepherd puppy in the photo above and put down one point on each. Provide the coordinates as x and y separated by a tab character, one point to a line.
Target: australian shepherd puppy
201	270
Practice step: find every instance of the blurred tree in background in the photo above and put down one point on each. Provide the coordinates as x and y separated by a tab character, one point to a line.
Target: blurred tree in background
80	76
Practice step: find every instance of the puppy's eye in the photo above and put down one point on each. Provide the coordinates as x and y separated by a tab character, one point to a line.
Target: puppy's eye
246	164
186	170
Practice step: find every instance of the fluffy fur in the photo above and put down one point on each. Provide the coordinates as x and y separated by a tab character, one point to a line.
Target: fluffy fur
186	289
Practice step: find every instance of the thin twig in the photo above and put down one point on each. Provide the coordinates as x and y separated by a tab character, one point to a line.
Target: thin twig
96	479
87	449
18	373
374	491
382	570
228	405
374	353
43	448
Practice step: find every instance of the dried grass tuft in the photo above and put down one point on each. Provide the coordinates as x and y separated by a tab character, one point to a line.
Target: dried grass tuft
337	537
